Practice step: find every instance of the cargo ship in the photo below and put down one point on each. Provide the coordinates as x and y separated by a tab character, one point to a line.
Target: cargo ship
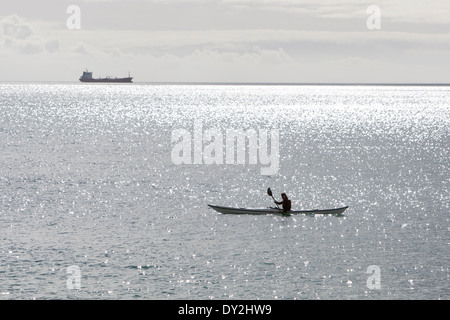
87	77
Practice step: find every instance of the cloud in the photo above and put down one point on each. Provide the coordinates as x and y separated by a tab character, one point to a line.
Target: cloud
437	11
14	27
301	44
231	40
20	36
52	46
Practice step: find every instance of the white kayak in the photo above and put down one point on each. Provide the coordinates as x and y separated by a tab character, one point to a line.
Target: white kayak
229	210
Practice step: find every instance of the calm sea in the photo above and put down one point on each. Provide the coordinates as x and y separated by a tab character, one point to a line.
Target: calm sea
94	205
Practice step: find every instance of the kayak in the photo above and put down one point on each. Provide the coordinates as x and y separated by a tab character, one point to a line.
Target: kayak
229	210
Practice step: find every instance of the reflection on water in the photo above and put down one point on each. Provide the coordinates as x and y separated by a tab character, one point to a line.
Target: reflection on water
87	180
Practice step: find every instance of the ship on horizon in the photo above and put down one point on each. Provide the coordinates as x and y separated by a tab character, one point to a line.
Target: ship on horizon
87	77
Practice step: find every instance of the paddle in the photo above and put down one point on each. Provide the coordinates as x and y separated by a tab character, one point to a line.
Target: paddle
269	192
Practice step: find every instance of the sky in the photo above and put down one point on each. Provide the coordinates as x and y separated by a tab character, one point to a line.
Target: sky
263	41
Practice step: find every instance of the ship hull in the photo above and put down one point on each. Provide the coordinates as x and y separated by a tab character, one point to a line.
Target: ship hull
109	80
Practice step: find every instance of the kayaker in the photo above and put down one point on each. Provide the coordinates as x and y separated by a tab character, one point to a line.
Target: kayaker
286	202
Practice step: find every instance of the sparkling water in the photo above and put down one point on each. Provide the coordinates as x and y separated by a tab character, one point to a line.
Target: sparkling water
92	205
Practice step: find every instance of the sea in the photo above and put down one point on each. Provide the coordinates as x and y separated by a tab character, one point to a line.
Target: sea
104	191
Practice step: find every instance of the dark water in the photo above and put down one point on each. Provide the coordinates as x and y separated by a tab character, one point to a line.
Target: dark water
88	181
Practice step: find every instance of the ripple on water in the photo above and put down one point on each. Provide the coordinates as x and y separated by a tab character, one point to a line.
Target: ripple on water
87	180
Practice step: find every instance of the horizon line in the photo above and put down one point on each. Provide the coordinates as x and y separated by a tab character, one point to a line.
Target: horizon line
255	83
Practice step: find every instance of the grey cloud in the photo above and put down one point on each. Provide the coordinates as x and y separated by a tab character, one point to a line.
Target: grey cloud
21	36
52	46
